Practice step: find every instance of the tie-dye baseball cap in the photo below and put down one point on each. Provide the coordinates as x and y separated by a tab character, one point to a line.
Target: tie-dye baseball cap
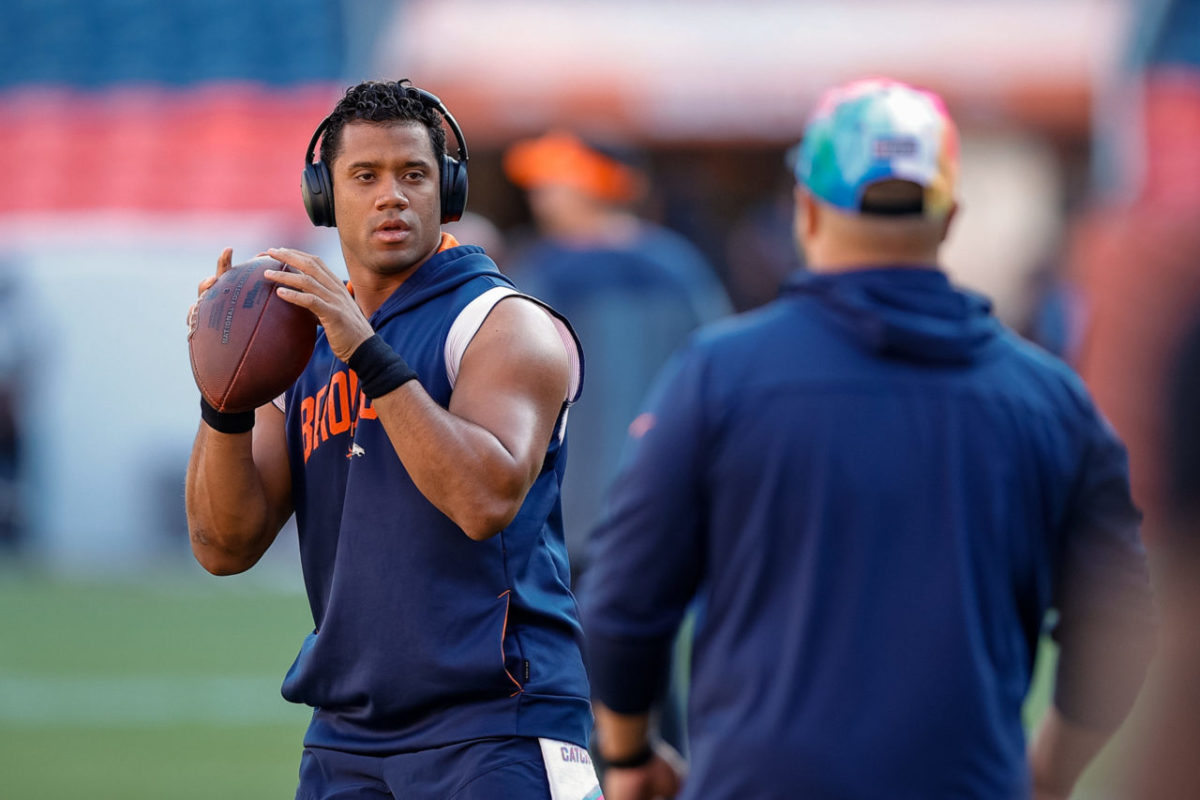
878	129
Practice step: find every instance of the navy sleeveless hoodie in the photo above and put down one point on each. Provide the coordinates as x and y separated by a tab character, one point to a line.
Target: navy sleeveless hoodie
422	636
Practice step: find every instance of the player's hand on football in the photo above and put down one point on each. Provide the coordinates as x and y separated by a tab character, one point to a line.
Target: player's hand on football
661	778
224	262
315	287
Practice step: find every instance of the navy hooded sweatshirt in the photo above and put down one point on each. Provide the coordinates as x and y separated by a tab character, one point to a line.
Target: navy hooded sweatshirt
872	492
422	636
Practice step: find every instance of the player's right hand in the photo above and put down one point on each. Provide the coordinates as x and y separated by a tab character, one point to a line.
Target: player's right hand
224	262
311	284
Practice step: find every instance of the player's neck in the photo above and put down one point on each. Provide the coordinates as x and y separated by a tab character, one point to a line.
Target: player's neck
373	285
372	288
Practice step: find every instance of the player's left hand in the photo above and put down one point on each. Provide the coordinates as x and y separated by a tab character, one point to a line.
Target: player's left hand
315	287
224	262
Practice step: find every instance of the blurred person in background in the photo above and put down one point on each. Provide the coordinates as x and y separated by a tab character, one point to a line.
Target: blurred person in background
761	251
15	357
1135	254
445	655
1164	763
875	492
633	290
480	231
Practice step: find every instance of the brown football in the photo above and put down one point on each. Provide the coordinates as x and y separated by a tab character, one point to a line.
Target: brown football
248	345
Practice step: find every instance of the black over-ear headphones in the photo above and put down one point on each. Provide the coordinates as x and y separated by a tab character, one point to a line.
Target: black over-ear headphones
316	184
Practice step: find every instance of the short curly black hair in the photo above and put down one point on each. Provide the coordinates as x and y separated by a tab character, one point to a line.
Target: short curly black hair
382	101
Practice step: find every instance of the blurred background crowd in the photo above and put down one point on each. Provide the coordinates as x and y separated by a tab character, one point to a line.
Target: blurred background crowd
143	137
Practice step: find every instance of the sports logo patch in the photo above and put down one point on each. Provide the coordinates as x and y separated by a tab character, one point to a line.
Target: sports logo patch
895	147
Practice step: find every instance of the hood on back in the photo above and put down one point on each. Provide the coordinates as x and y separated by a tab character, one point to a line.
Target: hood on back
907	313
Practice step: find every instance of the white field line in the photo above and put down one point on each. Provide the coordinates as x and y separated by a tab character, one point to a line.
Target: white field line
154	701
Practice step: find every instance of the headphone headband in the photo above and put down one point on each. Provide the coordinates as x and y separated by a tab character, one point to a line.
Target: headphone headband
312	144
433	101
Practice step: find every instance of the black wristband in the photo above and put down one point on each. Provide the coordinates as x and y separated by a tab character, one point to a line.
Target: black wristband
380	369
225	423
639	759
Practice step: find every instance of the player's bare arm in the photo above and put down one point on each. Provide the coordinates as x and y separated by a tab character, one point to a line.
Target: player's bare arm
476	460
238	487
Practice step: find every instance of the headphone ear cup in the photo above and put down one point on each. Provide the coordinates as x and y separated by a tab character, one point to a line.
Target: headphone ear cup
316	189
454	189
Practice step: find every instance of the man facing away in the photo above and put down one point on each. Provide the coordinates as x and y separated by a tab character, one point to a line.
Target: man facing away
872	493
633	289
422	453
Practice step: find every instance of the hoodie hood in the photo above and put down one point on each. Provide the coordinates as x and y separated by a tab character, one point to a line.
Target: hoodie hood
444	272
906	313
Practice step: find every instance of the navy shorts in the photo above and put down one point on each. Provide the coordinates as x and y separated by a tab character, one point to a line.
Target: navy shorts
482	769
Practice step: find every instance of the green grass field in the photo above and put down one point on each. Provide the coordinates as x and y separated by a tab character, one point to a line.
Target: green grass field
165	688
162	689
